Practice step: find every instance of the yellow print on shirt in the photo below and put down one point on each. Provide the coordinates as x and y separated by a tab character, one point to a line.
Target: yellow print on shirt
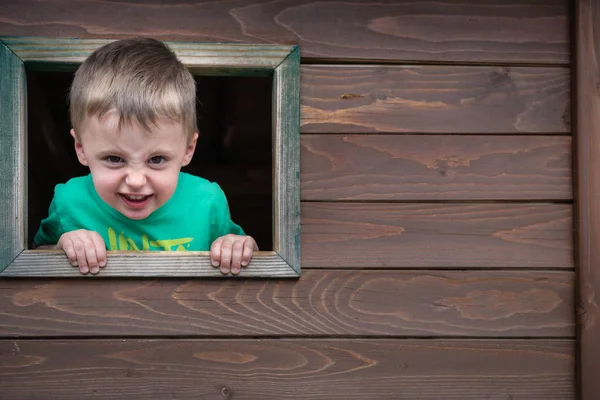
124	243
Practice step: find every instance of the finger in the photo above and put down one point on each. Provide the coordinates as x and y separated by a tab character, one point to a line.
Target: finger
236	256
90	254
226	248
215	252
100	249
79	247
248	252
69	249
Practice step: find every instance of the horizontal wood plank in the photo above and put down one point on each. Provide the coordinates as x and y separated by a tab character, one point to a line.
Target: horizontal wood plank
54	263
435	99
321	303
441	167
388	235
285	369
519	31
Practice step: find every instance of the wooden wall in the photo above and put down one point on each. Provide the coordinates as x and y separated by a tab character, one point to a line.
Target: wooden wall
587	195
436	219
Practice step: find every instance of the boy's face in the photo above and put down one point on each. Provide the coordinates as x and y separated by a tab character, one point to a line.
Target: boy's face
134	171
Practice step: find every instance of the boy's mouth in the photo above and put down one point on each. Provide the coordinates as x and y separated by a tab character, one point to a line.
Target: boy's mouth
135	201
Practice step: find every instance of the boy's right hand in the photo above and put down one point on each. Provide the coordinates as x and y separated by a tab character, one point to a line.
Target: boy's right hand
84	249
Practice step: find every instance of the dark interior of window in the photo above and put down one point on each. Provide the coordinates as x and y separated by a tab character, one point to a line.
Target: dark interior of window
234	147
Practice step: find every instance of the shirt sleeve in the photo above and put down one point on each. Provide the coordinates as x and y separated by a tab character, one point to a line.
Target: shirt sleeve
51	228
221	223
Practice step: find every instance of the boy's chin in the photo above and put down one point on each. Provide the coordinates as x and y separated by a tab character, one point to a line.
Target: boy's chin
136	215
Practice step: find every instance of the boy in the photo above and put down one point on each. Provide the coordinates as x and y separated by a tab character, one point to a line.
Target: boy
133	110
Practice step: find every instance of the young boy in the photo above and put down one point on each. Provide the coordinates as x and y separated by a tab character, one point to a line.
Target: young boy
133	110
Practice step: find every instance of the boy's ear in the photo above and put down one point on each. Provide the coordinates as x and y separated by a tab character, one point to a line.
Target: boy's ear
189	151
79	149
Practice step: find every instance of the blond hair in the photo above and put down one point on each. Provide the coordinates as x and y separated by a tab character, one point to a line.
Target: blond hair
141	79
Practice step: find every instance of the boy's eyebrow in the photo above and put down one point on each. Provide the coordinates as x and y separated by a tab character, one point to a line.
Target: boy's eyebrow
114	149
104	153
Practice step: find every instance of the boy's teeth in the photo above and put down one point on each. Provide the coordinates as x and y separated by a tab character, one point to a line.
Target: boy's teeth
136	198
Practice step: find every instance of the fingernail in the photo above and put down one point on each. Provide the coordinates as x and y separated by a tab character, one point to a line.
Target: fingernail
84	270
103	263
94	270
235	271
225	271
244	263
214	263
74	263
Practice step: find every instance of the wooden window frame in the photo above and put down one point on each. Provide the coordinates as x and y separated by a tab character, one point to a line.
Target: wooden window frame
48	54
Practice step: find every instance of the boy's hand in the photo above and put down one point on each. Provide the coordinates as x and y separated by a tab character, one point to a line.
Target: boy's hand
232	251
84	249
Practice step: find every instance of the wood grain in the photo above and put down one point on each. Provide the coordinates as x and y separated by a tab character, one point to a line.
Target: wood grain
438	167
435	99
588	207
196	56
321	303
285	369
53	263
519	31
12	159
286	160
425	235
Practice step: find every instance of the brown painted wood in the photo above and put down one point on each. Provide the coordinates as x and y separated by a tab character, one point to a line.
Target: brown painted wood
435	99
322	303
588	206
520	31
416	235
438	167
284	369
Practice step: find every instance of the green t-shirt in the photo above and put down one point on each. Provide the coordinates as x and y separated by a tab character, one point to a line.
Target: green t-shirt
190	220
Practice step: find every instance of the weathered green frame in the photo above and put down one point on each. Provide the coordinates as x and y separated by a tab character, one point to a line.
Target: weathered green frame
282	62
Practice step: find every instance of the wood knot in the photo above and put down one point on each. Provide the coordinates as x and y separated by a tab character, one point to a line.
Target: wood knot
347	96
226	392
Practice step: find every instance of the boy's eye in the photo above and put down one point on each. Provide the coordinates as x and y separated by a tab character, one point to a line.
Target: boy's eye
156	160
114	159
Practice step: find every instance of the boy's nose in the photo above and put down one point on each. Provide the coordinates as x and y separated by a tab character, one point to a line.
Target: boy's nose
135	179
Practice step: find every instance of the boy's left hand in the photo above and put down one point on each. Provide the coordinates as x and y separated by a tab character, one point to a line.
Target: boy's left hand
231	252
